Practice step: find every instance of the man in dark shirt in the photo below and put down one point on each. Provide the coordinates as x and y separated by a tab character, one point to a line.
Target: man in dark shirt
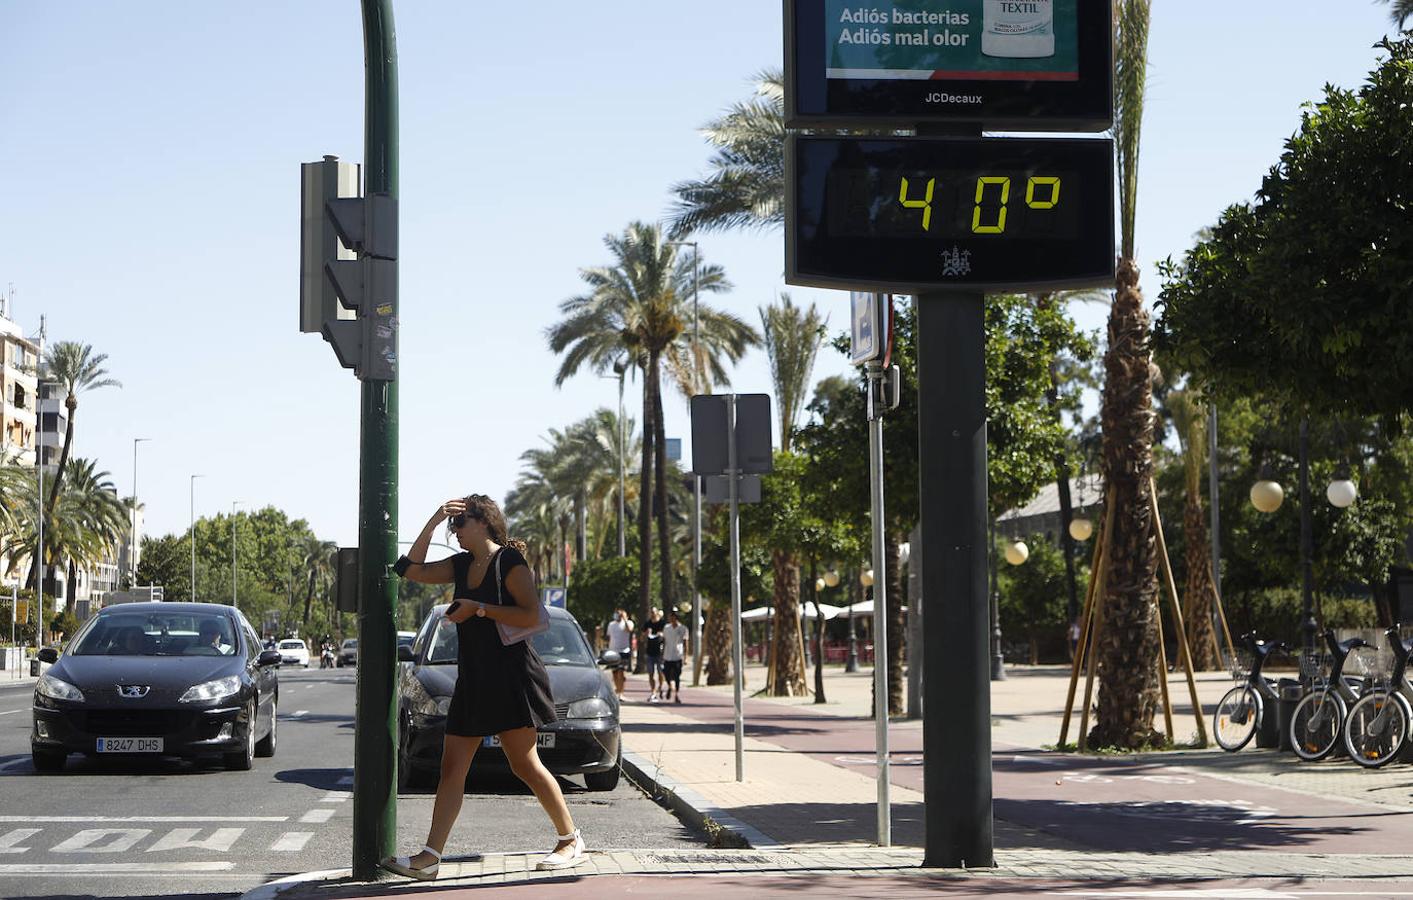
652	652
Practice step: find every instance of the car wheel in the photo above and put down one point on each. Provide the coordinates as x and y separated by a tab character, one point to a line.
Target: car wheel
47	761
605	781
266	745
244	759
409	777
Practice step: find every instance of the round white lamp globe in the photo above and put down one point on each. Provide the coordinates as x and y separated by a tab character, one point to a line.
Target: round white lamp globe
1081	529
1342	493
1267	496
819	584
831	578
1017	553
866	578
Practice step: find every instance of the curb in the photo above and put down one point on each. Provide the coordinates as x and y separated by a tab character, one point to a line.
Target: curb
724	829
273	889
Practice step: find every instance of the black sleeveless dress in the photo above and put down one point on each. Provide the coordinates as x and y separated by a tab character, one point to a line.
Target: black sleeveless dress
498	688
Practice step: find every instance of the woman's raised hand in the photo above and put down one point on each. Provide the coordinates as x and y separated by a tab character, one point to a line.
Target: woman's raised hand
453	507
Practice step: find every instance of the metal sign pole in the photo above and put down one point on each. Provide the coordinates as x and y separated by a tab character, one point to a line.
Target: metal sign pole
880	600
733	489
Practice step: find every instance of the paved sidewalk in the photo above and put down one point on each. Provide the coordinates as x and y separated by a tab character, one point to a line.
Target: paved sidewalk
1256	823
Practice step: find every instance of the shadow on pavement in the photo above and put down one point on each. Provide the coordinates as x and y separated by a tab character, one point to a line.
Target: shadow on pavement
221	896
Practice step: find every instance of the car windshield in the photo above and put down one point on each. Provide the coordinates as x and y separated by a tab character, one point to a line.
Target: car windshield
158	634
291	645
350	643
562	645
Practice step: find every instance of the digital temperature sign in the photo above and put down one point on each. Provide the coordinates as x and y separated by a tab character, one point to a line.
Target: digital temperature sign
918	214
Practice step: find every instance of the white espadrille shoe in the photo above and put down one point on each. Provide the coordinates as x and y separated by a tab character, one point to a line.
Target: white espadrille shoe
402	865
569	856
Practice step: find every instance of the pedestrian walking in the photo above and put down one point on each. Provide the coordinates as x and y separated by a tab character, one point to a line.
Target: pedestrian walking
674	644
501	689
1072	638
620	641
652	653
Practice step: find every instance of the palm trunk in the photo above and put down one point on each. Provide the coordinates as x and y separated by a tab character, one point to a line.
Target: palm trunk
718	642
663	540
71	403
1200	591
787	670
897	619
1128	640
645	547
308	598
818	636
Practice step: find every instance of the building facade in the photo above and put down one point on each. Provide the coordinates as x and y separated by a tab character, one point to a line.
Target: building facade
19	367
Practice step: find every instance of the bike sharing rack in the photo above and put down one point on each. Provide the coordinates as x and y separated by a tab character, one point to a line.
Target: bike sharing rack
929	207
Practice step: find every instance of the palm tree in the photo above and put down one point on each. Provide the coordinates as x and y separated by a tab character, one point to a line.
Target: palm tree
1127	644
1400	11
746	188
640	307
602	439
77	369
792	339
319	560
1190	421
89	521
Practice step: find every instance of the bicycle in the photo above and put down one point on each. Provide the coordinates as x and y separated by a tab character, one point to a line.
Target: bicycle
1377	726
1317	724
1241	709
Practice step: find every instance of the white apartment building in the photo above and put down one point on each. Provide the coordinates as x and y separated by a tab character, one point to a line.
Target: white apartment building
19	365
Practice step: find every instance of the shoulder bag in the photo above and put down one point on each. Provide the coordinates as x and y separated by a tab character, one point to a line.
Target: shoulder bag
510	634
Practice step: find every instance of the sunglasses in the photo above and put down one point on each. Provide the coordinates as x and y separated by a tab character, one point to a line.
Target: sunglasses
460	520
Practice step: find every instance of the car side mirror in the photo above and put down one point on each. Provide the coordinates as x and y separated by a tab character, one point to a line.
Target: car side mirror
48	655
610	658
404	653
268	658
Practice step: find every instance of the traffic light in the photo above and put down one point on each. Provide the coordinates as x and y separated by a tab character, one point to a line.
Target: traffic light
348	268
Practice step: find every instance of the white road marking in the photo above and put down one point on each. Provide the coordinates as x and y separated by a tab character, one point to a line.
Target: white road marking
292	841
336	797
221	840
308	686
1234	893
143	868
347	779
94	819
316	816
9	840
91	840
11	712
1037	760
297	714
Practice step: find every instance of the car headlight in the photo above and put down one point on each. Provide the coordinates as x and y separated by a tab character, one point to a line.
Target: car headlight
432	706
592	708
212	690
55	689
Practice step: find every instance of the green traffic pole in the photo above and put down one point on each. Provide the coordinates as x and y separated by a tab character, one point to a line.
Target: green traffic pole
375	735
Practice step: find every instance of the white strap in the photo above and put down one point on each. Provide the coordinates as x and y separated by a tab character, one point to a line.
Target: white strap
499	598
573	835
433	852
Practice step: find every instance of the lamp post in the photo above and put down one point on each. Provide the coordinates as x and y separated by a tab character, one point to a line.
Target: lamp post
696	479
1267	496
851	662
233	555
132	531
620	369
192	536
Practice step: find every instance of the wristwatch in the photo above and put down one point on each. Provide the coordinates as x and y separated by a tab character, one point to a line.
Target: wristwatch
481	611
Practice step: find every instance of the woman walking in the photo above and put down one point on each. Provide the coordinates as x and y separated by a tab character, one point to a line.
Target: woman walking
501	690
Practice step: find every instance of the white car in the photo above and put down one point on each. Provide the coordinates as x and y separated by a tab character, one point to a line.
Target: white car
294	652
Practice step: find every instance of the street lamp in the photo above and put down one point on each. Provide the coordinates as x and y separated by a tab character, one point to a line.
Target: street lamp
132	531
1266	496
698	385
1017	553
1081	529
192	536
620	369
233	555
851	662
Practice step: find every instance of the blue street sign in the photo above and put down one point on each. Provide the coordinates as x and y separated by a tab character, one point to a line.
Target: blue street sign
554	596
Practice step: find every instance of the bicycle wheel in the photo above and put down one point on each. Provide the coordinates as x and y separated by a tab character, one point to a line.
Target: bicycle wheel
1316	725
1237	717
1375	729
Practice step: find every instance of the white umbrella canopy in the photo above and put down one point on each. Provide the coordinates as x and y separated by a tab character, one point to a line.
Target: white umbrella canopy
864	608
806	609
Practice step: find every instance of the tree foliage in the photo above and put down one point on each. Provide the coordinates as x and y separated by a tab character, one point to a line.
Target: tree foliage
1303	294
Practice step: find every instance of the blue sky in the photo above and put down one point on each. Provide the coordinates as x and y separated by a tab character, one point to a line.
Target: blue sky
149	172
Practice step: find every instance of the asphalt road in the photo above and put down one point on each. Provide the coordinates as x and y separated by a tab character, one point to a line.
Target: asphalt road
167	828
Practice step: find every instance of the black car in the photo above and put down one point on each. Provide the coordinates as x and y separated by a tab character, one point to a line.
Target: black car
584	740
179	679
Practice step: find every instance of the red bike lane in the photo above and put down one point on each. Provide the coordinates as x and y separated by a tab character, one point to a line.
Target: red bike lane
1104	803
